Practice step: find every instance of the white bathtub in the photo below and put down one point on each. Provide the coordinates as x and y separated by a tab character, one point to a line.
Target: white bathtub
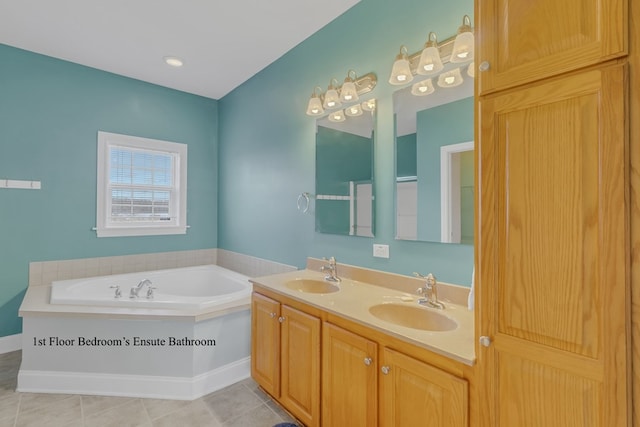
192	338
197	287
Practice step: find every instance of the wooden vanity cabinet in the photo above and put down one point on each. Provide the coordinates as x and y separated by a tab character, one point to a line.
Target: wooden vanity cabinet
413	393
522	41
285	356
367	384
349	378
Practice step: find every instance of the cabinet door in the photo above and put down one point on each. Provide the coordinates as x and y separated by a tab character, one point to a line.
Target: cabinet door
527	40
265	343
300	381
412	393
349	379
553	253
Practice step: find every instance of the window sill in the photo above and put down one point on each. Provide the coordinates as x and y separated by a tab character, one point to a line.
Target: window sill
139	231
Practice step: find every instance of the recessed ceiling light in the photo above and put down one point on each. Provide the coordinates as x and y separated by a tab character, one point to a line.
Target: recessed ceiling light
173	61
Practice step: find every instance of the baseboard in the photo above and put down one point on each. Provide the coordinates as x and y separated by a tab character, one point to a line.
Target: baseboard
10	343
146	386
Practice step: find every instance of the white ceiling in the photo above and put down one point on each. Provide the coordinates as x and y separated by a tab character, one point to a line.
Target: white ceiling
222	43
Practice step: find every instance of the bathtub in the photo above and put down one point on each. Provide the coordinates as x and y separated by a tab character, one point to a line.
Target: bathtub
192	338
198	287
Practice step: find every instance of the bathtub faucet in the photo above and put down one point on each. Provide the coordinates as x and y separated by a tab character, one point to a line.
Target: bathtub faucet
136	289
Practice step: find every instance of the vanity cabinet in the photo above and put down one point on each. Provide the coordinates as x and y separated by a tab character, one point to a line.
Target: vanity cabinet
360	388
413	393
368	378
552	251
349	378
523	40
285	356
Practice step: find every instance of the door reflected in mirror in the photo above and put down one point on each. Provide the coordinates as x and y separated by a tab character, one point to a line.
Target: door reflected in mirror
434	164
344	174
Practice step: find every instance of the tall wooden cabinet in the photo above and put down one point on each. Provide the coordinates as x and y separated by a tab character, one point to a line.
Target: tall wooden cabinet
552	252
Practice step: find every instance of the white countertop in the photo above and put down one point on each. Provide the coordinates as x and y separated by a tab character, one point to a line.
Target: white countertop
354	299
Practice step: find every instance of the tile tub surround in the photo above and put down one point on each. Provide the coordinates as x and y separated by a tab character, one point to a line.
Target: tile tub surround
42	273
356	295
240	405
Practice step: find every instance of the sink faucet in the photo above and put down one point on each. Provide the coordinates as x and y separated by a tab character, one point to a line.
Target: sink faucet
332	275
135	290
430	291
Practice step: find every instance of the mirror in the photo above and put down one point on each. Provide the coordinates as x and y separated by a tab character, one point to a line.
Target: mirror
344	173
434	164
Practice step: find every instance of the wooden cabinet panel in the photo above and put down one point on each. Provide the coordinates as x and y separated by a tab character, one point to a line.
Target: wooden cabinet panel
552	249
525	41
413	393
349	379
265	343
300	384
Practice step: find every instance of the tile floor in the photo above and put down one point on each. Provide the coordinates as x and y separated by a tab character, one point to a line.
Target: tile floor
239	405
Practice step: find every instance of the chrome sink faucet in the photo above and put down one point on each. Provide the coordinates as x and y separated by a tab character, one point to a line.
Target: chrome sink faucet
332	275
135	290
430	292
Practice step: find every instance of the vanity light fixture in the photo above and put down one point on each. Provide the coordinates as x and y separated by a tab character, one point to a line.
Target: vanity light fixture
350	92
463	45
173	61
451	78
331	97
425	87
314	108
369	105
433	57
430	62
471	71
401	70
337	116
354	110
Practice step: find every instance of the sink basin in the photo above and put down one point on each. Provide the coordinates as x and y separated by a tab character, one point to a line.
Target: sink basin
312	286
412	316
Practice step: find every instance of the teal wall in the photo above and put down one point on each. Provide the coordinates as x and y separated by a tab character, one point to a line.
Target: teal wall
50	113
267	143
446	124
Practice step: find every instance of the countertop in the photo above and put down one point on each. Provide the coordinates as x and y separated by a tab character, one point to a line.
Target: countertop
354	298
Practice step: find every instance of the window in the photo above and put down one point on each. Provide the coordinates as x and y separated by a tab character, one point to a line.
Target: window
142	186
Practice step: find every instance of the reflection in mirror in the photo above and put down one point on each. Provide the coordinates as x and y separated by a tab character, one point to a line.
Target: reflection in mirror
434	164
344	172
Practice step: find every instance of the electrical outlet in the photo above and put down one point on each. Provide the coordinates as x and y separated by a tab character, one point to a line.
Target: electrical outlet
381	251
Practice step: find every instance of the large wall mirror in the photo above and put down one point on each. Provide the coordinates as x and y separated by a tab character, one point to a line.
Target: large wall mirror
434	164
344	172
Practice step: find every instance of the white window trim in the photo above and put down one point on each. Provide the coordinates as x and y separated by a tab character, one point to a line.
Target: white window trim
106	229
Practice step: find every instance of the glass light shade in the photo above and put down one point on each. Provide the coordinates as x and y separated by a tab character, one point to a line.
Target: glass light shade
463	44
401	71
331	98
422	88
471	71
353	111
451	78
430	62
314	108
337	116
369	105
348	93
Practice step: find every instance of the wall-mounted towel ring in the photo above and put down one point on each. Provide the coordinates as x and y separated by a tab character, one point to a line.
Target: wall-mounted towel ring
303	202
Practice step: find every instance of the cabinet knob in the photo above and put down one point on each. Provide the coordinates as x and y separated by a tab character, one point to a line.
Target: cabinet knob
281	319
367	361
385	370
485	341
484	66
272	315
